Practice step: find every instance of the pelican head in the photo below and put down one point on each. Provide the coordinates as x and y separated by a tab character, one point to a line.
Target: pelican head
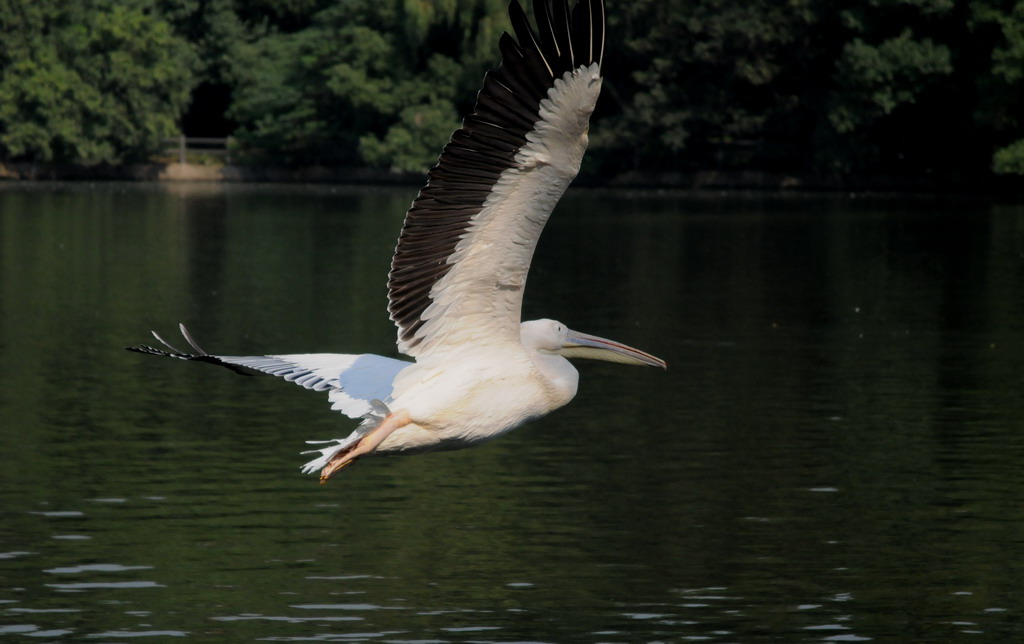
553	337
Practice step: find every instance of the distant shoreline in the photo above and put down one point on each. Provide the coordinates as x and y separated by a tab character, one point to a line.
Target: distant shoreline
725	180
172	172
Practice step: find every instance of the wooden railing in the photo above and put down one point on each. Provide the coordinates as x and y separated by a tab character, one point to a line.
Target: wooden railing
210	146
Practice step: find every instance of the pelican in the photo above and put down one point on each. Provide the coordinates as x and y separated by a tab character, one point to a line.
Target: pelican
455	288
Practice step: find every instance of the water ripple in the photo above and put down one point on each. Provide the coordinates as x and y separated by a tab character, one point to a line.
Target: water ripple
72	570
15	554
343	607
286	618
89	585
132	634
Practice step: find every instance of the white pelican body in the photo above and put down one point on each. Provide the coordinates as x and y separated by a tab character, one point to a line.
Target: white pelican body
456	283
455	403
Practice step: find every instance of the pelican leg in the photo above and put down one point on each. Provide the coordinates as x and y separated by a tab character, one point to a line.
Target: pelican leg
367	444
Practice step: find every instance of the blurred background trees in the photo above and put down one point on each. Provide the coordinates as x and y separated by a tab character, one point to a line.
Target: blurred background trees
90	82
907	89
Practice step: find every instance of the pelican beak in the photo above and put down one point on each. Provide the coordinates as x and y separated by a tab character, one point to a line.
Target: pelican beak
584	345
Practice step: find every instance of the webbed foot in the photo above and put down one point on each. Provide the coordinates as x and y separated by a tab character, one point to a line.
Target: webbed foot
368	443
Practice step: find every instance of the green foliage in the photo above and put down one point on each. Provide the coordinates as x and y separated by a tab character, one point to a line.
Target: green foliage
872	81
1010	159
1008	52
412	143
928	87
1000	87
103	81
703	72
888	75
353	89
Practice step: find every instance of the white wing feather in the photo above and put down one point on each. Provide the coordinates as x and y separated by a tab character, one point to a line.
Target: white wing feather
480	299
353	381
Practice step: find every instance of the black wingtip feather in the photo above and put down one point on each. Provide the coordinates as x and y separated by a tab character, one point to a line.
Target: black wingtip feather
199	356
188	338
582	33
563	32
524	32
598	26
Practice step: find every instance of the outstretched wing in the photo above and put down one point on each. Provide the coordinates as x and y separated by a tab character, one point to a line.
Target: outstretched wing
353	381
462	259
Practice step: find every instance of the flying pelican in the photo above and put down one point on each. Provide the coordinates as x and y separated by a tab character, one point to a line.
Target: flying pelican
455	289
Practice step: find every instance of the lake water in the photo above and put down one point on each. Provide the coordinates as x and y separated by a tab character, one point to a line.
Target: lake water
836	452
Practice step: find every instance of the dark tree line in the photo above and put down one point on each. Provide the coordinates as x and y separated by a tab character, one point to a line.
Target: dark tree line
905	88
